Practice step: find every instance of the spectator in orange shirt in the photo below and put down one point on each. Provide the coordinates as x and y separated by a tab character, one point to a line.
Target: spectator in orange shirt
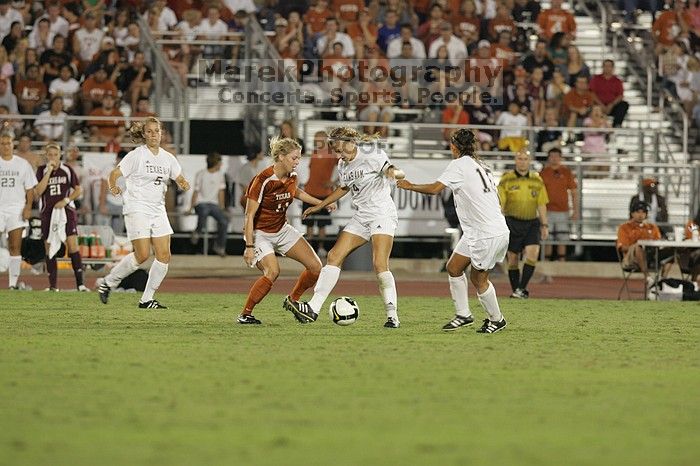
635	229
347	11
143	109
95	88
501	22
30	91
106	130
555	19
578	102
315	18
560	183
320	185
454	114
363	32
670	25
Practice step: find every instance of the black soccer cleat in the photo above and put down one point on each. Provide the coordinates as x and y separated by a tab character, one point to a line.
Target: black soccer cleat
103	290
301	310
152	304
457	322
248	319
491	326
391	323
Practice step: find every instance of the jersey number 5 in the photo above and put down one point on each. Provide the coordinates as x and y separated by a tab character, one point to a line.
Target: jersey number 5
158	181
486	180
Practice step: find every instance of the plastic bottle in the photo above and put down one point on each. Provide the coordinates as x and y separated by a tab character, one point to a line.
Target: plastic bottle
83	247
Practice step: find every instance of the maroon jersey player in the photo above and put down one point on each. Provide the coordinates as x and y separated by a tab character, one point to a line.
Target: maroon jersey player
57	189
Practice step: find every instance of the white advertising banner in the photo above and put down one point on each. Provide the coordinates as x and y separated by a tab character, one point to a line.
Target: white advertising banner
419	214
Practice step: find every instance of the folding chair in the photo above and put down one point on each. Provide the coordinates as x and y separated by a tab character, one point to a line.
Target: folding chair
627	272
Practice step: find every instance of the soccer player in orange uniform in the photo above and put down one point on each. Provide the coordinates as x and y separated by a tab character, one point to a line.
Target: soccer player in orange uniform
267	232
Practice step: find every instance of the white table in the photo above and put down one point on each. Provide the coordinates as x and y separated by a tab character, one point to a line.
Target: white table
657	244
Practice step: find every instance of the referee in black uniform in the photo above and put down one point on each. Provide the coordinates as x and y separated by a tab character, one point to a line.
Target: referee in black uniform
524	204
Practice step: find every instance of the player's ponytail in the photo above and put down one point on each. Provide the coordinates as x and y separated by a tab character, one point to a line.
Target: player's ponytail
466	142
282	146
137	129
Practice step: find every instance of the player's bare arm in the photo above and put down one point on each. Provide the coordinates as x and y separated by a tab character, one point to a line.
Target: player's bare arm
303	196
114	175
182	183
332	198
44	182
432	188
395	173
73	195
544	227
29	199
251	209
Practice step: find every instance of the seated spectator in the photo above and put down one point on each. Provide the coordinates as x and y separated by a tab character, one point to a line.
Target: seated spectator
118	27
512	137
690	258
58	25
430	29
649	193
453	114
376	104
608	89
526	11
539	59
95	88
501	50
131	43
364	32
467	24
575	66
54	58
595	142
403	9
669	25
208	201
556	90
7	69
558	50
315	18
635	229
8	15
548	139
50	123
41	37
106	130
87	40
143	108
524	100
135	81
536	90
347	11
480	114
30	91
7	98
688	84
67	87
255	164
288	129
24	150
389	31
555	19
13	37
330	36
456	49
167	19
503	21
579	102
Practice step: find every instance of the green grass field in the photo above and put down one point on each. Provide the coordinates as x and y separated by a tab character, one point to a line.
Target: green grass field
567	383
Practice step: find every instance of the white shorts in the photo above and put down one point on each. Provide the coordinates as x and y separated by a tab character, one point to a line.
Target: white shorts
368	228
484	253
280	242
559	224
10	221
140	225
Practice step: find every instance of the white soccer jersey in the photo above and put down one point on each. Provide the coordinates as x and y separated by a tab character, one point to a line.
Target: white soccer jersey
16	176
369	187
476	198
147	178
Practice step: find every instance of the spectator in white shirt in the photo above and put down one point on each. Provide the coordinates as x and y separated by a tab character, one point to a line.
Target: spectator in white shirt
7	98
87	40
41	37
57	23
8	15
395	45
512	137
330	35
240	5
456	49
131	42
208	201
65	86
213	28
167	19
49	123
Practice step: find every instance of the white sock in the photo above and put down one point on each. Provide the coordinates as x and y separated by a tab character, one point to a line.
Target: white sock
387	287
123	269
326	282
490	302
460	295
13	269
155	277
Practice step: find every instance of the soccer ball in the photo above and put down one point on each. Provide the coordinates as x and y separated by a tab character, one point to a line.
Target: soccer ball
344	311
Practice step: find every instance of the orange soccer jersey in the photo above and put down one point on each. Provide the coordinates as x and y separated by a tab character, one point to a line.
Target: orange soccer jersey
274	197
630	232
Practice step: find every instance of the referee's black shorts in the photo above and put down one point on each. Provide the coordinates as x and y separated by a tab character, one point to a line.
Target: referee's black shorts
523	233
320	219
